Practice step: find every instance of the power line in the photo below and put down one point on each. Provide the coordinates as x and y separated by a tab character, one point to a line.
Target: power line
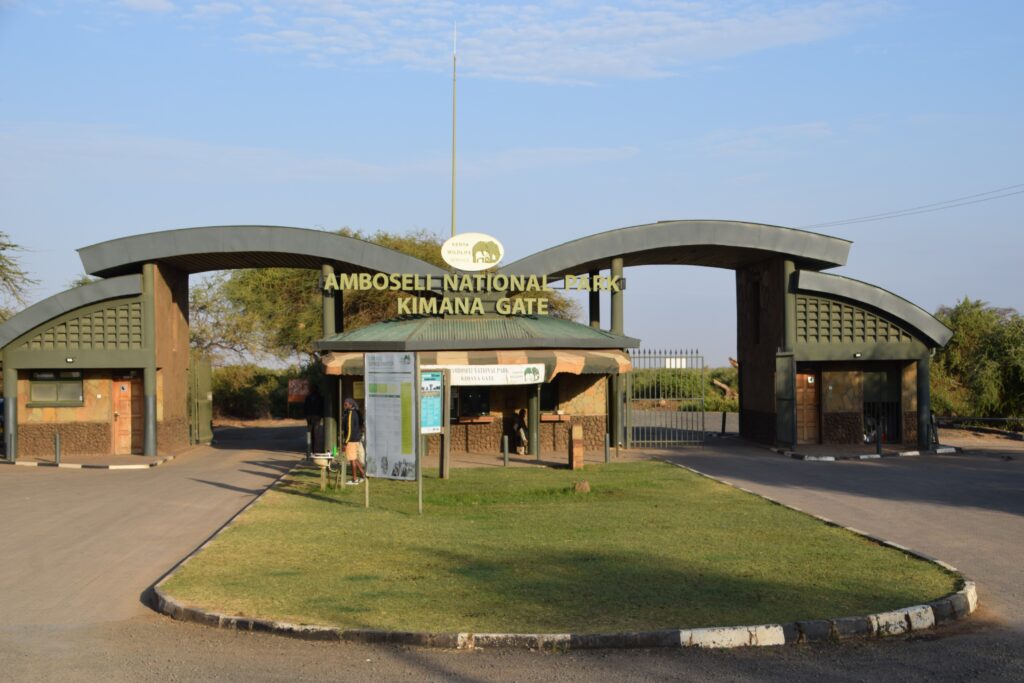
991	195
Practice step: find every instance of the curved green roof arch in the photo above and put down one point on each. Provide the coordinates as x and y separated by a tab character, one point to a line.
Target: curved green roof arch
893	306
715	243
227	247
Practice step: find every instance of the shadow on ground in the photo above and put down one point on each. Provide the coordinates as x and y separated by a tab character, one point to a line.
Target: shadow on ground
956	481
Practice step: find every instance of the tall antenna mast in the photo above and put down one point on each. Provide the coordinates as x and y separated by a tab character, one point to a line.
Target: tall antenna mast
455	32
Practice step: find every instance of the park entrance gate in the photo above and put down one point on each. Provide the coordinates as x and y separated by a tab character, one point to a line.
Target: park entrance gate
664	399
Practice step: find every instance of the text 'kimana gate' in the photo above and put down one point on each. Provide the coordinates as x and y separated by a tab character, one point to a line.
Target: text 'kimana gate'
664	399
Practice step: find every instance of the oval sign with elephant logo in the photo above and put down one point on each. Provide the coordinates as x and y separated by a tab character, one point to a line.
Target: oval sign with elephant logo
472	251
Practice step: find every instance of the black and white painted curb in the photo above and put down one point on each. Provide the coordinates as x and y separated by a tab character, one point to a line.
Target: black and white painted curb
897	622
941	450
87	466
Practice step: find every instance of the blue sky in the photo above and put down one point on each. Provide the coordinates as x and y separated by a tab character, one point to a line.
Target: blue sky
125	116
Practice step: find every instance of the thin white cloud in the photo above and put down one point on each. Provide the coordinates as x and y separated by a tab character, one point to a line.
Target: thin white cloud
558	41
39	153
765	140
148	5
212	10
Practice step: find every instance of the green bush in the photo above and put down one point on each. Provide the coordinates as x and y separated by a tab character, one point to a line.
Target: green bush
250	392
683	385
980	373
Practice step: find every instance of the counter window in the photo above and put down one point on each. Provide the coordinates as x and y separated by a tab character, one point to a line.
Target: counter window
63	387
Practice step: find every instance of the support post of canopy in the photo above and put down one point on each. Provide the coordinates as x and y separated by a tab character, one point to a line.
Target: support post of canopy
149	426
595	302
616	379
533	420
11	411
332	402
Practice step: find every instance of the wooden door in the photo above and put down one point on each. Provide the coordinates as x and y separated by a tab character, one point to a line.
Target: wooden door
808	407
128	416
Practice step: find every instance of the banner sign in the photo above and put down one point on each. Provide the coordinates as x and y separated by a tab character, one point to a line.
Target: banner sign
298	390
390	415
492	375
431	401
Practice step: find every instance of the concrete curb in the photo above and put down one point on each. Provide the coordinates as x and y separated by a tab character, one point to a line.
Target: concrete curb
87	466
897	622
940	450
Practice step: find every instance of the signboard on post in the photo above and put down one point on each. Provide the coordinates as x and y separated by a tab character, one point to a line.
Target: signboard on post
492	375
431	401
391	430
298	390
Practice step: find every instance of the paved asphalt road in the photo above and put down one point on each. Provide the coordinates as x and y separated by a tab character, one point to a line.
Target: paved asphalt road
79	548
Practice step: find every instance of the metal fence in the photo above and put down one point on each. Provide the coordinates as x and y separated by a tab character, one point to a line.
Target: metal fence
664	398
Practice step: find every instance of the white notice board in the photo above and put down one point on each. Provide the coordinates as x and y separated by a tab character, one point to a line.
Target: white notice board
492	375
391	429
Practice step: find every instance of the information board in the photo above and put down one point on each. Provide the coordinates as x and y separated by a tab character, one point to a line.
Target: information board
431	401
298	390
493	375
390	415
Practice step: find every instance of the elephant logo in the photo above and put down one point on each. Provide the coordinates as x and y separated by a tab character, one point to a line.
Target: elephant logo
472	251
486	252
531	375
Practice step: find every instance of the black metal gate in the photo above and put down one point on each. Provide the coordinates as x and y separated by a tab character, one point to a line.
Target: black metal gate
664	399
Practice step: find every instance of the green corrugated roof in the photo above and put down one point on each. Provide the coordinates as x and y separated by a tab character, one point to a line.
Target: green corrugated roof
475	332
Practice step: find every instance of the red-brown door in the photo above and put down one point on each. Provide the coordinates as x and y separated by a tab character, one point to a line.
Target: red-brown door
808	407
128	416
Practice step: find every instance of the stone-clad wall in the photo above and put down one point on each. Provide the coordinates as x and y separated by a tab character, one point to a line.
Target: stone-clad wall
839	428
842	405
76	438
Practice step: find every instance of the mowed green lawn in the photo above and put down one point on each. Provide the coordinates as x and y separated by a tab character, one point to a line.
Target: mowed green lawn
514	550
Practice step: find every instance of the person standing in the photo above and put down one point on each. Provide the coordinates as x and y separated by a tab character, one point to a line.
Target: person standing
313	409
521	439
352	438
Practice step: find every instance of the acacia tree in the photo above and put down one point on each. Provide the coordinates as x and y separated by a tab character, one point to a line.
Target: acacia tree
14	281
277	311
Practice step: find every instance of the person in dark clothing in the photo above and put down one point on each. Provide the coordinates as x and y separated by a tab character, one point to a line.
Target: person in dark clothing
352	438
313	409
521	440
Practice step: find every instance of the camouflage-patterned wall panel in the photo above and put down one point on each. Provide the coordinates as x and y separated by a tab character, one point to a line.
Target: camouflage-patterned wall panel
824	321
842	391
115	327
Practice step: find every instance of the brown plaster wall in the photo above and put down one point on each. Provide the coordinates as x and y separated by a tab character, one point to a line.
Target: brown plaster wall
172	434
583	394
908	403
170	305
96	407
760	333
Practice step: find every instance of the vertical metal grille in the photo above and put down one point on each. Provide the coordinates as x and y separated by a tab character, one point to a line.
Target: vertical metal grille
664	398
